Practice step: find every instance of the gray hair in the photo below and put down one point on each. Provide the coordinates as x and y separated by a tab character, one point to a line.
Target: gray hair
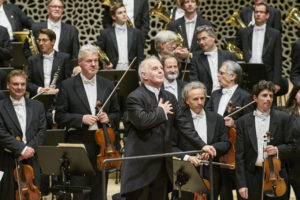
191	86
234	68
87	48
163	36
143	67
209	29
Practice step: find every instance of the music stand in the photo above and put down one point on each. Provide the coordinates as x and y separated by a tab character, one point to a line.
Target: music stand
18	60
46	99
6	92
252	74
128	84
64	162
54	136
186	178
186	75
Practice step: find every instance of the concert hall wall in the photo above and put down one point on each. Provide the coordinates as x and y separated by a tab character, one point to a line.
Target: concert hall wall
86	16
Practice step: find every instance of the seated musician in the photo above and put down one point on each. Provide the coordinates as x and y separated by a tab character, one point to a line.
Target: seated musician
48	69
121	43
24	119
210	127
250	149
6	51
229	77
75	109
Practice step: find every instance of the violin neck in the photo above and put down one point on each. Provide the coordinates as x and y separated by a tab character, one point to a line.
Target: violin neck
107	141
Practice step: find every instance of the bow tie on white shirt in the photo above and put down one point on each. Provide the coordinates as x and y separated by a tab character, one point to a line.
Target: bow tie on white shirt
170	86
197	116
258	29
262	116
121	28
227	91
187	21
49	57
18	103
54	26
89	82
208	53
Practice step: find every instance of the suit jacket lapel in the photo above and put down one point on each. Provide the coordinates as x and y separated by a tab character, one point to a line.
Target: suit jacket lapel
79	88
236	96
252	132
28	114
217	99
250	37
267	40
40	67
63	33
204	60
210	124
10	16
12	114
273	124
114	39
129	39
101	92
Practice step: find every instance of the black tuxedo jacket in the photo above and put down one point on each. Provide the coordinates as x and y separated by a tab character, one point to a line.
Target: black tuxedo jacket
141	17
6	51
239	98
274	20
35	70
72	102
108	43
68	41
175	26
17	18
200	70
246	142
150	132
295	70
9	130
272	51
180	85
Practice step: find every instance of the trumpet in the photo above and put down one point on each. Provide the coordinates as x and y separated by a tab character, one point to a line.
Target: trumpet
294	16
102	55
160	12
109	4
32	44
236	20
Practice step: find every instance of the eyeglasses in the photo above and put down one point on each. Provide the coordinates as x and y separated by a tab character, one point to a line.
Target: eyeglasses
260	12
56	7
43	40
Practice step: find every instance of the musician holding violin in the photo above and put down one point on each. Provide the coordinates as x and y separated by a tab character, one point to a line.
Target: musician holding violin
22	130
76	110
251	146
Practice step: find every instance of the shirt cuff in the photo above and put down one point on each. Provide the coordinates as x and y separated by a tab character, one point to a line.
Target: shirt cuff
23	151
38	90
186	157
277	152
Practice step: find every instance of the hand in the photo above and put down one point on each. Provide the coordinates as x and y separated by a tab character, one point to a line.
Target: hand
194	160
277	88
51	91
229	122
204	156
271	150
44	90
28	153
166	106
89	119
103	118
182	52
110	66
210	150
244	192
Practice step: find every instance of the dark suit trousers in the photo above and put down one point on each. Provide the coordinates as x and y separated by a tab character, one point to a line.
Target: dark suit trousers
228	184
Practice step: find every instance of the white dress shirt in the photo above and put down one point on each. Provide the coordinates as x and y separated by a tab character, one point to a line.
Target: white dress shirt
258	39
121	35
56	27
90	87
20	109
190	25
212	58
262	124
171	87
129	5
154	90
5	22
200	125
226	96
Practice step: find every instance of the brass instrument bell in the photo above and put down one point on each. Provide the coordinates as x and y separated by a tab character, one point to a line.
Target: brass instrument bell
160	12
236	20
294	16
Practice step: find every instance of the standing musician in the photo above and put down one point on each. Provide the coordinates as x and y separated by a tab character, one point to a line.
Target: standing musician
6	51
229	77
210	127
187	24
295	69
152	112
206	63
23	118
137	11
43	67
76	110
121	43
66	34
250	148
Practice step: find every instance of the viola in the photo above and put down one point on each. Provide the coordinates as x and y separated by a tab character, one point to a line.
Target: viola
24	176
273	185
105	138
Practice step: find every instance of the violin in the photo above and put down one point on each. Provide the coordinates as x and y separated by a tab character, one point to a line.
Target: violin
273	184
24	176
105	138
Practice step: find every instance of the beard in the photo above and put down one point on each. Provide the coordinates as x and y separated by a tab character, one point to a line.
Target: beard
171	76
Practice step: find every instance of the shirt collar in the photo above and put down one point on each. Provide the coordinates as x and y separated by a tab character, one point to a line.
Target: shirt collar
86	79
22	100
190	20
121	27
51	23
167	83
263	27
153	89
50	55
200	115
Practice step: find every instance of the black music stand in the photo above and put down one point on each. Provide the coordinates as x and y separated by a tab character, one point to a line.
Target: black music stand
186	178
46	99
186	75
54	136
252	74
6	92
18	60
64	162
128	84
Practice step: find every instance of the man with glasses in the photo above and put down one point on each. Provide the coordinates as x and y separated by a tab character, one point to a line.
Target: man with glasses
206	63
66	34
43	67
